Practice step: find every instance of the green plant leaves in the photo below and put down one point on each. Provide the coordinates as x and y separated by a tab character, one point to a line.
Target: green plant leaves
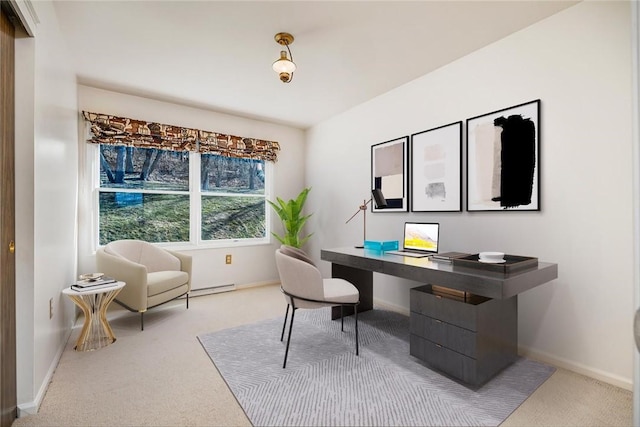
290	213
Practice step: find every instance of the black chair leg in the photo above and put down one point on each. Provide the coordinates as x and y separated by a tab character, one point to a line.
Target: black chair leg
342	318
286	352
355	308
187	301
286	313
142	320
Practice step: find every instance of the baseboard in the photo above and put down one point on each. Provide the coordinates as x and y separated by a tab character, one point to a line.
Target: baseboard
607	377
258	284
227	288
32	408
211	290
391	307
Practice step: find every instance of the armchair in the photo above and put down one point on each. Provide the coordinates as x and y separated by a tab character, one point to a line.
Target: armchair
153	275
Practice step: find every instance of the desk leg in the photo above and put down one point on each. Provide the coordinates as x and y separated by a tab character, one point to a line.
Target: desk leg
361	279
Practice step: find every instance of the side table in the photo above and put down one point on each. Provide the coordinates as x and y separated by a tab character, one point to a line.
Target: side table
96	332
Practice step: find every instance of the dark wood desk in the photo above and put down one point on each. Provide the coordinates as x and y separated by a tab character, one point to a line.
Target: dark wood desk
471	337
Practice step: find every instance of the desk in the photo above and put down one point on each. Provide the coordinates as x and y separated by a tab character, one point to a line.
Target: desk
96	332
469	339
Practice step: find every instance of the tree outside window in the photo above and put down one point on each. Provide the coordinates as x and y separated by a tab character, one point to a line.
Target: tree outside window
144	193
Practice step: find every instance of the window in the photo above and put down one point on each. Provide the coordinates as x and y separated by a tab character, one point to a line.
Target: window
233	198
163	196
169	184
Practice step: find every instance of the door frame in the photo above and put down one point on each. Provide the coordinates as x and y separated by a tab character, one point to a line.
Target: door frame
8	373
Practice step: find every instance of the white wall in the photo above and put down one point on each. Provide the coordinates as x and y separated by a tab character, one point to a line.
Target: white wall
24	161
46	200
635	86
251	264
578	63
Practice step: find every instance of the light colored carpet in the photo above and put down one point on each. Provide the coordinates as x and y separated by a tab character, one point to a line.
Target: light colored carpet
162	377
325	383
569	399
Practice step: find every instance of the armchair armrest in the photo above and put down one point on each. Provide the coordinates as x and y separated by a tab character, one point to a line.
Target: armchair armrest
134	294
185	263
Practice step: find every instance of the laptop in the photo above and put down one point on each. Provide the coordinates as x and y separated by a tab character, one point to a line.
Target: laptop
420	240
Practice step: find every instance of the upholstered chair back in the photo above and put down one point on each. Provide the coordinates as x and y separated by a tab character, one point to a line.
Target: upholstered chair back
152	257
296	253
300	278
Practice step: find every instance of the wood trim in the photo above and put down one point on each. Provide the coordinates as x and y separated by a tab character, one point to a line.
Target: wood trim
8	397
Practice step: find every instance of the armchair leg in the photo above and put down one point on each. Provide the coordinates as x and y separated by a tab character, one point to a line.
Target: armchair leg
286	313
142	320
187	301
286	352
342	318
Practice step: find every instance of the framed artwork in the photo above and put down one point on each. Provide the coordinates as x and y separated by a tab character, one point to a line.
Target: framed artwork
436	169
389	174
503	159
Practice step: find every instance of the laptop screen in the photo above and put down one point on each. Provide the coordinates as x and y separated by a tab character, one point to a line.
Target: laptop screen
420	236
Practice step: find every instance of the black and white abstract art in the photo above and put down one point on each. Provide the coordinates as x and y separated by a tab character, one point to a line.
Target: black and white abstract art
503	159
389	174
436	169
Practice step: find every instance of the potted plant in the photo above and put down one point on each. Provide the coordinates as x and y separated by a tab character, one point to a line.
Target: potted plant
293	220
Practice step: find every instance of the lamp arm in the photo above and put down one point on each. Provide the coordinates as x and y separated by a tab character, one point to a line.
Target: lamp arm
361	208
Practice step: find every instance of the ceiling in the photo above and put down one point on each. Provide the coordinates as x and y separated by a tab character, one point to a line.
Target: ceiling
217	55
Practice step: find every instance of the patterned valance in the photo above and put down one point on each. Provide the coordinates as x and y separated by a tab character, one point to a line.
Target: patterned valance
114	130
236	146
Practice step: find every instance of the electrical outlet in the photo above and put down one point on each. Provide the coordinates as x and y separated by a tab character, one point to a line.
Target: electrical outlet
228	259
51	308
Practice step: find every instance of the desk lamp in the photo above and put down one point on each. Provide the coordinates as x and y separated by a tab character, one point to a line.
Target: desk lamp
380	202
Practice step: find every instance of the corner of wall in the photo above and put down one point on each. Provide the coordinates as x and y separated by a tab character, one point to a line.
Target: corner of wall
32	407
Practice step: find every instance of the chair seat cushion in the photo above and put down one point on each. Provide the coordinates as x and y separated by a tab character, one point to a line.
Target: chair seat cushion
163	281
339	290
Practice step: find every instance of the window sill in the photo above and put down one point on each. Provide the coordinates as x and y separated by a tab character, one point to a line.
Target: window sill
228	244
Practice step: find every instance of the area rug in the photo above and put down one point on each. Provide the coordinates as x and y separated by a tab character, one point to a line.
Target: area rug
326	384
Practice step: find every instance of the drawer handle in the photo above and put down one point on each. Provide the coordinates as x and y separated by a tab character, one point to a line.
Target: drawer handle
438	345
438	321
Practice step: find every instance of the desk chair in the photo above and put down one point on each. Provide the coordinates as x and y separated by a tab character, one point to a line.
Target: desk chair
303	287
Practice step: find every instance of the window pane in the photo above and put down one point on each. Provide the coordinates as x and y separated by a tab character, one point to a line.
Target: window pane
150	217
143	168
221	174
233	217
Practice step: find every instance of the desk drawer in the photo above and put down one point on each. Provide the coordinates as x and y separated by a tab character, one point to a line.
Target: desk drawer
449	310
444	359
453	337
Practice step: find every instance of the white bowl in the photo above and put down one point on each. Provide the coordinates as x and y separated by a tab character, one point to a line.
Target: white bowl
91	276
492	256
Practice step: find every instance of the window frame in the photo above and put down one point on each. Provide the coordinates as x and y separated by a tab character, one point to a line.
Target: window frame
195	198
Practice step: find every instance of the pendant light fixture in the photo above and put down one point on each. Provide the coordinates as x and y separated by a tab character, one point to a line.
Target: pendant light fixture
284	66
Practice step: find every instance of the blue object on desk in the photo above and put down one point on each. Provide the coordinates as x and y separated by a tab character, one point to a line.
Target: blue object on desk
374	245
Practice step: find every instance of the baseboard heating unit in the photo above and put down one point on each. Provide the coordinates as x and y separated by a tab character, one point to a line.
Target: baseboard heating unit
212	290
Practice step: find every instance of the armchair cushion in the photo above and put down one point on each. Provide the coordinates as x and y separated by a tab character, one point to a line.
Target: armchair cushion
163	281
